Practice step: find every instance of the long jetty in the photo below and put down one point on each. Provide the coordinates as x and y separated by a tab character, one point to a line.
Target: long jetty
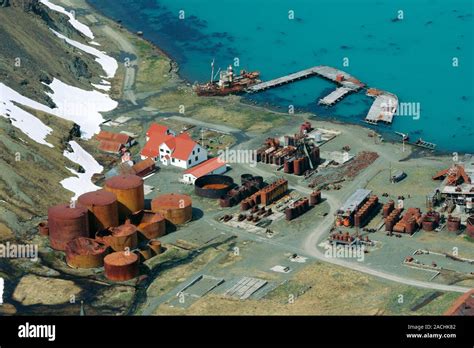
382	110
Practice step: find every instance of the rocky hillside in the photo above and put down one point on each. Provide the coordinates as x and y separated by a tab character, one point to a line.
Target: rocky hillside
31	56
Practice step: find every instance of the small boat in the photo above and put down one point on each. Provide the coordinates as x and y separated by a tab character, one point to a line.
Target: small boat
425	144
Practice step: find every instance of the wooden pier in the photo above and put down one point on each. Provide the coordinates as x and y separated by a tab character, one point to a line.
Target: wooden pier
335	96
383	109
326	72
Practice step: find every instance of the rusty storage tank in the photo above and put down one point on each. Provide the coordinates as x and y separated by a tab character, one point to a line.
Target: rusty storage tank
388	208
85	253
103	209
121	266
470	226
67	223
213	186
43	228
150	224
290	213
176	208
428	224
454	224
130	194
297	167
119	238
315	198
155	246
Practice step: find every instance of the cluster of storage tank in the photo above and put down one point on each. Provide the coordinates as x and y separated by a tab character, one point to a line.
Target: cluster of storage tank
107	220
410	221
388	208
430	221
341	238
250	185
297	209
392	218
365	211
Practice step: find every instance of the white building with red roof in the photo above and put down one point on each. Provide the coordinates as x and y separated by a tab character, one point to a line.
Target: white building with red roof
170	149
211	166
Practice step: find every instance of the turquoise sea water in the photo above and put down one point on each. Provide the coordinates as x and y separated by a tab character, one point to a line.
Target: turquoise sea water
412	57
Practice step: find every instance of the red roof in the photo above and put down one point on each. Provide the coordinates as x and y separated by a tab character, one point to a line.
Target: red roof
116	137
152	147
181	146
205	167
156	129
110	146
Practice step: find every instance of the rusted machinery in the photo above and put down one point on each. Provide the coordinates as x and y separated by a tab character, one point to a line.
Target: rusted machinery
149	224
430	221
119	238
121	266
392	219
365	211
176	208
455	175
85	253
470	226
67	223
388	208
315	198
454	223
213	186
103	209
130	194
297	209
410	221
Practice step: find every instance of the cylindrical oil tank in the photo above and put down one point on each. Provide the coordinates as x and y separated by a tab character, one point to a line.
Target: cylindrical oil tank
155	246
119	238
149	224
297	167
454	224
103	209
213	186
130	194
315	198
428	225
67	223
470	226
85	253
43	228
176	208
121	266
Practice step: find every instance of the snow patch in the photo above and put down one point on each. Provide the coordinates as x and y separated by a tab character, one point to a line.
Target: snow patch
102	87
95	43
109	64
80	27
82	182
26	122
80	106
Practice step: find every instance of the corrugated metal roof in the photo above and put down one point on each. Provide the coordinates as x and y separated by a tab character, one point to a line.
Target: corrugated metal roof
205	167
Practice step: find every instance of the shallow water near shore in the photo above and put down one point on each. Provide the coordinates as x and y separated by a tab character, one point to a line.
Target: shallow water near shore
412	57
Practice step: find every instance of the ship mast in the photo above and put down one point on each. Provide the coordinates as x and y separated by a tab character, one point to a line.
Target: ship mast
212	70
